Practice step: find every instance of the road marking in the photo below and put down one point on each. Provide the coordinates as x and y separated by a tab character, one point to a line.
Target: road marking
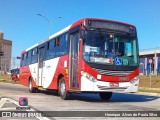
5	100
8	108
2	102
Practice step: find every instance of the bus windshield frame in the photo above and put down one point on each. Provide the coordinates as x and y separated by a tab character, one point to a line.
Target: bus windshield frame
110	48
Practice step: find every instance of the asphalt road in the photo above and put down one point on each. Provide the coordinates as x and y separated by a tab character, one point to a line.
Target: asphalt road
49	101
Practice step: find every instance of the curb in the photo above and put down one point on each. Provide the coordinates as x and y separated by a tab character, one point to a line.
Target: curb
148	88
8	82
148	93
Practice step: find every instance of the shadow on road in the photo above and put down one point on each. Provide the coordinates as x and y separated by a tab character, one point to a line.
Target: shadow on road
116	97
122	97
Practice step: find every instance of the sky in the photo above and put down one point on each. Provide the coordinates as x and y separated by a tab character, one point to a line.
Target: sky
21	24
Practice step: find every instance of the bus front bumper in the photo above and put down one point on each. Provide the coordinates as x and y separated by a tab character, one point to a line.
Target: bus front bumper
102	86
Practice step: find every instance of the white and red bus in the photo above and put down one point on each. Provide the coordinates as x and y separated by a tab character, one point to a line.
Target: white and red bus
91	55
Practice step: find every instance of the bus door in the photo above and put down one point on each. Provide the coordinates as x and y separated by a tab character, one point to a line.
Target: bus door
73	61
40	65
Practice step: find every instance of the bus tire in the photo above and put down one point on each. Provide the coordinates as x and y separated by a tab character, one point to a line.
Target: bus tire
62	90
31	88
105	95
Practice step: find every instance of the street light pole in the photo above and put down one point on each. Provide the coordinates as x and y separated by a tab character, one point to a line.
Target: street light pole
49	22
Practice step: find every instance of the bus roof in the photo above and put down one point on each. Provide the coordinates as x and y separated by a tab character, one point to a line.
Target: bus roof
50	37
79	22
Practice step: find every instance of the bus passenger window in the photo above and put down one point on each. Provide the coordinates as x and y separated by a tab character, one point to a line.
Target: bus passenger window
58	42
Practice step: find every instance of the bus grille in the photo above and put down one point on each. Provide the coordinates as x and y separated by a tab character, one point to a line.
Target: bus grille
113	73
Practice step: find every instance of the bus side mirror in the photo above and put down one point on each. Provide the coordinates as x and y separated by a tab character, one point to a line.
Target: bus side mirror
82	33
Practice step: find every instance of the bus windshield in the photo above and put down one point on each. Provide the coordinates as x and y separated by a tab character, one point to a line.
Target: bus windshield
110	48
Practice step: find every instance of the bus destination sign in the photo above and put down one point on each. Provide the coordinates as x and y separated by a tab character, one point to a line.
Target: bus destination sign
110	26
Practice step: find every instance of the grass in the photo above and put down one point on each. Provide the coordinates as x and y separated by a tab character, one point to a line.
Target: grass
9	81
145	81
145	85
5	78
149	91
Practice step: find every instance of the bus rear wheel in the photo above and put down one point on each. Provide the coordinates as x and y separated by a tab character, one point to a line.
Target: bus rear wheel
105	95
64	94
31	88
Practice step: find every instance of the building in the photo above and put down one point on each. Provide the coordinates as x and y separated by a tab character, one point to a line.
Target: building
5	54
150	61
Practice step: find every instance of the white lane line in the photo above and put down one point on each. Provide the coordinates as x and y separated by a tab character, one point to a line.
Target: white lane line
8	108
2	102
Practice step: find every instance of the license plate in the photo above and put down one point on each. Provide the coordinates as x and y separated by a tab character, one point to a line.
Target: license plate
111	84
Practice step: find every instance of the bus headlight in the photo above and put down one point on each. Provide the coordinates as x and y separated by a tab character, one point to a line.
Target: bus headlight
135	79
88	76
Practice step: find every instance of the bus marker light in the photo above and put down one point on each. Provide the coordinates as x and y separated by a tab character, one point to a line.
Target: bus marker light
111	36
99	76
67	71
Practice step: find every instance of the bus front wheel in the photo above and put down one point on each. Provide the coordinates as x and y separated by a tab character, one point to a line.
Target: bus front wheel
64	94
31	88
105	95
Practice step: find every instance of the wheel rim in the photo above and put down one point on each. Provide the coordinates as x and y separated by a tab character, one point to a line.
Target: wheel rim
62	88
